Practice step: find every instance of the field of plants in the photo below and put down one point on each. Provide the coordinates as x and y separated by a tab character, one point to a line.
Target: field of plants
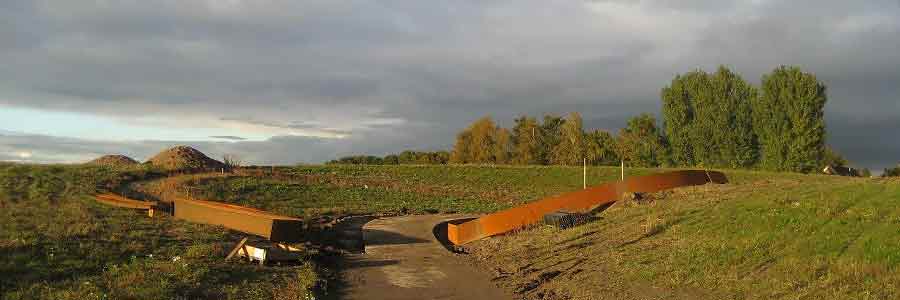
56	242
765	235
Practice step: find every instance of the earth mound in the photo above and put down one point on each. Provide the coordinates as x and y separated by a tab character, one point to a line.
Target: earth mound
184	158
114	161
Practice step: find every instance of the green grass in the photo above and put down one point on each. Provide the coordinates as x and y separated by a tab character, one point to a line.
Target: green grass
800	237
764	236
347	189
57	243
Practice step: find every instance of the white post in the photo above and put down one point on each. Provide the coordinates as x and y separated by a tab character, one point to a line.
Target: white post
584	173
623	170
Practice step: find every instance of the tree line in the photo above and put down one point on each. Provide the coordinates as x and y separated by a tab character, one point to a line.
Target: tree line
403	158
714	120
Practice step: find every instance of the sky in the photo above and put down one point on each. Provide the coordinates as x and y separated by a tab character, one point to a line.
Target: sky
294	81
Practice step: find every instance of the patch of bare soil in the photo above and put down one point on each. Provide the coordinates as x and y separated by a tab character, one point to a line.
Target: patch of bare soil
184	158
114	161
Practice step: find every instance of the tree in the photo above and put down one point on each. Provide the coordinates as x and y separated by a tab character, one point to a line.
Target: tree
865	173
640	144
892	172
503	146
462	151
678	115
708	119
832	158
789	121
392	159
483	140
570	148
734	139
550	136
600	148
526	137
232	161
475	144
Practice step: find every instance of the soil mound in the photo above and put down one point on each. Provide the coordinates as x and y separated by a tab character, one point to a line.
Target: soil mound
184	158
114	161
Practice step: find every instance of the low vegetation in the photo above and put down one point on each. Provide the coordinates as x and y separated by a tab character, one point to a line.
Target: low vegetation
765	235
57	243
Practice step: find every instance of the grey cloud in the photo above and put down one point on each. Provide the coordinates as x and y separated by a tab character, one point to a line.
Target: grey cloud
229	137
344	67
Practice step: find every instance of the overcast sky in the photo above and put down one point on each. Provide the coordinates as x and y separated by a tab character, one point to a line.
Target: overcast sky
282	82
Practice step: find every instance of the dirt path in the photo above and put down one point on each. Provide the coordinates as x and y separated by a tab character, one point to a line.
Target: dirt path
403	260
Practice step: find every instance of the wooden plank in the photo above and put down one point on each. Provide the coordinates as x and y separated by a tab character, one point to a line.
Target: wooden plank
238	247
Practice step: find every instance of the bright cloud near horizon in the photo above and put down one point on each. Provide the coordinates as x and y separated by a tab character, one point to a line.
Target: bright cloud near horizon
281	82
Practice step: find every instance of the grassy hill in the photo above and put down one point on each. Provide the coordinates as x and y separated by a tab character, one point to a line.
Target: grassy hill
765	235
56	242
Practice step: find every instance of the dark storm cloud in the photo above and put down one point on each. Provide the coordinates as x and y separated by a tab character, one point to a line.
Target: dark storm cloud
390	75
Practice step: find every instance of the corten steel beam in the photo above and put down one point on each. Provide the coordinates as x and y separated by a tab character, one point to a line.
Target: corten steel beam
583	200
116	200
274	227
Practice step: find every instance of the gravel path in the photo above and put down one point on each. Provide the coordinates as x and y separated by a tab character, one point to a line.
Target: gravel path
403	260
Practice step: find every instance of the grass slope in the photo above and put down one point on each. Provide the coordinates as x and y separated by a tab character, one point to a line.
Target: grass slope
57	243
765	235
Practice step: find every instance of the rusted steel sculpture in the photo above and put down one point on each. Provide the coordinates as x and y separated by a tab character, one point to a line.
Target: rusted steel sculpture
274	227
583	200
116	200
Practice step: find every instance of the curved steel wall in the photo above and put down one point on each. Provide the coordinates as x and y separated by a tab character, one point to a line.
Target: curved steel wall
583	200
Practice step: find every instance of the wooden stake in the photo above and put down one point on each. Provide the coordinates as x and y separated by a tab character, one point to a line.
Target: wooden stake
623	170
240	245
584	173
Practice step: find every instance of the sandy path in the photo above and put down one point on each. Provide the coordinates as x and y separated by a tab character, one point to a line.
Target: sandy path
402	260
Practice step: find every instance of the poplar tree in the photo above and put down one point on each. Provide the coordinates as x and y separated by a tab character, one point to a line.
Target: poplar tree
462	152
640	144
735	142
502	146
678	116
708	119
789	121
526	137
550	137
600	148
570	149
483	140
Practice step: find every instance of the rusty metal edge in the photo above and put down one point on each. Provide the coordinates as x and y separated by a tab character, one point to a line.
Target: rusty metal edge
583	200
273	227
119	201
